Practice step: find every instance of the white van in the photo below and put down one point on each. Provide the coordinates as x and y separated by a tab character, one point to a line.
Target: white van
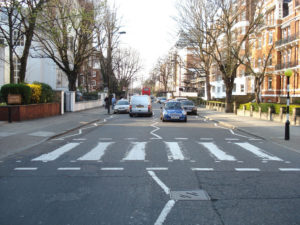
140	105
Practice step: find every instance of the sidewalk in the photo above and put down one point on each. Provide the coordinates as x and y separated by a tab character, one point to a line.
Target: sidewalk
269	130
18	136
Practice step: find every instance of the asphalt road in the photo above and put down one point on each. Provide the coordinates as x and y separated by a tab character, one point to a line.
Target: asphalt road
143	171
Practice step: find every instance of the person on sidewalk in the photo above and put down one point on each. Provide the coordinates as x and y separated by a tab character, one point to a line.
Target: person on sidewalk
107	105
113	102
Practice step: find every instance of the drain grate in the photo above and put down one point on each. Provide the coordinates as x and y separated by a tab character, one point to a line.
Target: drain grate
195	195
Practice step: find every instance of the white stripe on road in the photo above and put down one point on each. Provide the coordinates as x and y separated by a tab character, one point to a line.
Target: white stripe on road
174	152
56	153
258	152
69	168
216	152
96	153
247	169
206	139
156	168
232	139
156	129
202	169
137	152
289	169
26	168
181	138
164	213
159	182
112	168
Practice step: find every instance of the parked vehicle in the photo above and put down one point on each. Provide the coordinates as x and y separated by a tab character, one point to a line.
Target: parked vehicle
146	91
181	99
173	111
140	105
161	100
189	107
122	106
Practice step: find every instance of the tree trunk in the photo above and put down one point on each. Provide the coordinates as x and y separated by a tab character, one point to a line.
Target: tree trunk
25	55
11	66
72	78
207	81
228	101
257	90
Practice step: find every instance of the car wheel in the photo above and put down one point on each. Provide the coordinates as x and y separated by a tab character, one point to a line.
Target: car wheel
185	120
130	114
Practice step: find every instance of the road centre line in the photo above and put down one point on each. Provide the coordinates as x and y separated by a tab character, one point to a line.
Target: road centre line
25	168
181	138
156	129
156	168
164	213
202	169
289	169
159	182
68	168
247	169
112	168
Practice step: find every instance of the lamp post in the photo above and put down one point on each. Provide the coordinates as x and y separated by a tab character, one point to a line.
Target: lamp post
287	73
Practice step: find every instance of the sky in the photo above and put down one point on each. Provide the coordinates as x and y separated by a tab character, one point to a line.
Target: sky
149	26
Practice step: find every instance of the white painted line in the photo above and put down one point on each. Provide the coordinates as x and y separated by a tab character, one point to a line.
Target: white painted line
173	151
255	139
80	139
156	168
18	161
216	152
232	139
181	138
206	139
130	139
289	169
156	129
258	152
247	169
159	182
137	152
25	168
96	153
69	168
56	153
112	168
105	139
202	169
164	213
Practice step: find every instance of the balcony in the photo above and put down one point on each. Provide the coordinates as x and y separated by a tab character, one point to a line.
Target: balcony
289	41
286	65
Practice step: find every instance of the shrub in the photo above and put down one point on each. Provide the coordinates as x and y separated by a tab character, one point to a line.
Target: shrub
47	94
36	92
21	89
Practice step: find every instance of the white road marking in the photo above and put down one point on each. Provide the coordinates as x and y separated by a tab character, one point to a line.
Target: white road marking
156	129
174	152
130	139
156	168
181	138
25	168
159	182
56	153
96	153
42	134
216	152
80	139
206	139
202	169
232	139
105	139
258	152
247	169
69	168
164	213
137	152
255	139
289	169
112	168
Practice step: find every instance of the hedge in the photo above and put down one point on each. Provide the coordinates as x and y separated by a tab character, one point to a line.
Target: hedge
264	107
21	89
47	94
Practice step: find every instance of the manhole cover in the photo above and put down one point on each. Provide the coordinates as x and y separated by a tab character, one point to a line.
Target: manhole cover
197	195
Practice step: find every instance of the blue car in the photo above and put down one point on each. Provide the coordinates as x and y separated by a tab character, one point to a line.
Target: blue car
173	111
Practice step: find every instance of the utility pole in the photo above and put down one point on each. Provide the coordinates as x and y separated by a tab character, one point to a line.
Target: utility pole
287	73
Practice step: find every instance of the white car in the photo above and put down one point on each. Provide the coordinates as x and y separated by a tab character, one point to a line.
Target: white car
122	106
140	105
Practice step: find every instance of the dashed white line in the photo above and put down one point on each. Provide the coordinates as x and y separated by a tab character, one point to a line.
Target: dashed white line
202	169
159	182
69	168
112	168
289	169
25	168
181	138
164	213
156	168
247	169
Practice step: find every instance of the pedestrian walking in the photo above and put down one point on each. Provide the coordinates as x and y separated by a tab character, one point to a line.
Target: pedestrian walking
113	102
107	105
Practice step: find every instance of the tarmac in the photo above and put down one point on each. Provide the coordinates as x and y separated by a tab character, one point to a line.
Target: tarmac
20	136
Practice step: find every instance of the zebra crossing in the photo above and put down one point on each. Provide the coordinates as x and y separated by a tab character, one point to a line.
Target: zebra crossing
172	151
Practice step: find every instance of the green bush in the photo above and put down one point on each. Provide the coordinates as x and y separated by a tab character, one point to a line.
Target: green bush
21	89
264	107
47	94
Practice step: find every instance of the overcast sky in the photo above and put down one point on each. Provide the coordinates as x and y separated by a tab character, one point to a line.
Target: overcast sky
149	27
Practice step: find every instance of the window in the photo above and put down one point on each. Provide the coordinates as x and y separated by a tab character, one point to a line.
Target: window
269	83
270	37
3	16
18	38
94	73
242	88
93	83
234	88
259	62
213	88
223	88
219	89
259	43
17	67
244	16
270	60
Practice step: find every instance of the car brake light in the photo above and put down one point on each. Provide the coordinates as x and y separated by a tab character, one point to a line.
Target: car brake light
130	107
149	107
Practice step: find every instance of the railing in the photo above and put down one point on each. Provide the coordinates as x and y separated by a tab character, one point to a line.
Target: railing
290	38
286	65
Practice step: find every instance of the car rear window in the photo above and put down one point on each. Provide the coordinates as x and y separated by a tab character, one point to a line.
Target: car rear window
122	103
139	100
187	103
173	105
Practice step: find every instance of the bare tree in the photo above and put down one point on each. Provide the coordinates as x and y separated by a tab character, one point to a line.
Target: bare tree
66	36
18	29
162	72
127	65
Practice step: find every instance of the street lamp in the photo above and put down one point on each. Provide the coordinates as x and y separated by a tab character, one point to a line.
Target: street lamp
287	73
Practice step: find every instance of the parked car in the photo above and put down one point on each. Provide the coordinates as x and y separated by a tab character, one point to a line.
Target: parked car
162	100
122	106
173	111
140	105
181	99
189	107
